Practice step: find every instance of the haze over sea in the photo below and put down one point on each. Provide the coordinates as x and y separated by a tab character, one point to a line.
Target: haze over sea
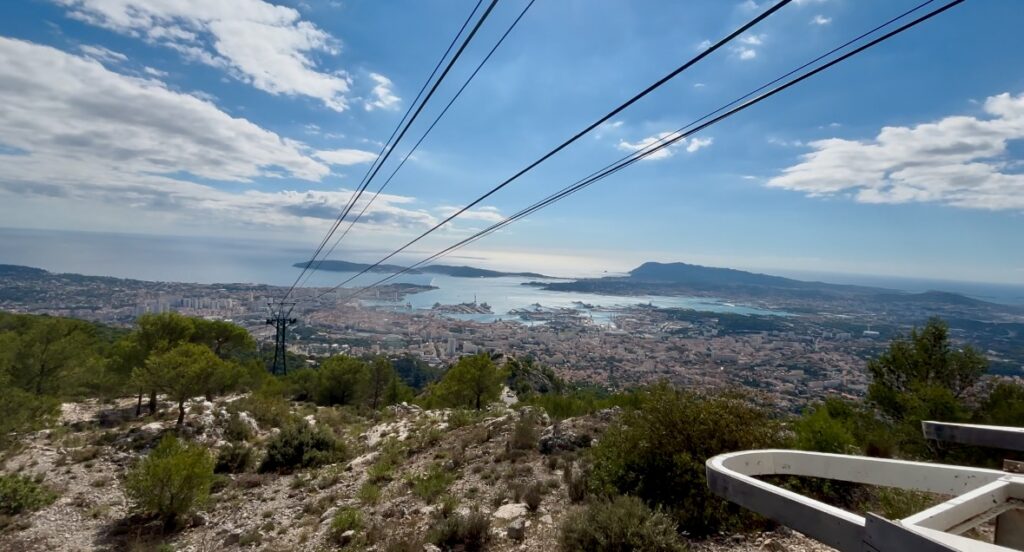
218	260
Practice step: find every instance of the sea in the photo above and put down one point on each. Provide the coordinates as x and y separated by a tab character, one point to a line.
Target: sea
234	260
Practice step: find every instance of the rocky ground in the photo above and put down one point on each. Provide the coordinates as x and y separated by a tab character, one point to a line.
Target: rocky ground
480	458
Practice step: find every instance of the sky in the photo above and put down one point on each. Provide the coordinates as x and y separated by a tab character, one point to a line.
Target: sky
255	120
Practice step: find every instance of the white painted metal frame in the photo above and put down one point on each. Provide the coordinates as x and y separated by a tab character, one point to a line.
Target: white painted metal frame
979	495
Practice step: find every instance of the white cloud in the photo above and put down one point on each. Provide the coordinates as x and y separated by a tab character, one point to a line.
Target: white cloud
383	97
747	47
691	145
266	45
753	40
697	143
101	54
346	156
704	44
821	20
749	5
154	72
87	147
485	213
959	161
607	127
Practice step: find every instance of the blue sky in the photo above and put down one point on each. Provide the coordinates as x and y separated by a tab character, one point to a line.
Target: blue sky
249	119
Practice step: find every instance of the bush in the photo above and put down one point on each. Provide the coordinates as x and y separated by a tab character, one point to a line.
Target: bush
234	458
369	493
657	453
172	481
620	525
431	485
347	519
266	406
300	445
20	494
468	532
392	453
235	430
524	433
532	496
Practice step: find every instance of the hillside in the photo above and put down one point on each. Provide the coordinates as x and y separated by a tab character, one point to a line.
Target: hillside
449	270
406	472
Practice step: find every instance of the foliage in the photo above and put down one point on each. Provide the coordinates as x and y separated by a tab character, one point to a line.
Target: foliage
226	340
472	382
20	494
413	372
23	411
172	481
1003	406
341	380
581	401
266	405
184	372
431	485
923	373
454	531
300	445
234	458
532	496
40	353
619	525
524	434
528	378
817	430
657	453
235	430
347	519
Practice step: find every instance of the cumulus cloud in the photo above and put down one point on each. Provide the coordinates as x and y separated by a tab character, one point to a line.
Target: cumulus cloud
267	45
77	133
959	161
382	95
691	145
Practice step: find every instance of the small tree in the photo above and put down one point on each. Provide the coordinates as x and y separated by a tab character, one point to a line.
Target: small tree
472	382
185	371
225	339
657	453
381	375
172	481
923	367
341	380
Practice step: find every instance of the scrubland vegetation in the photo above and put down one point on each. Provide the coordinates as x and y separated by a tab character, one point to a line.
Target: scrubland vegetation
174	435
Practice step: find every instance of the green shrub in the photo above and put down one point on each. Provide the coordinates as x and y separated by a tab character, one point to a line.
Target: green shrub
454	531
299	445
392	454
235	430
172	481
620	525
369	493
524	433
657	453
234	458
347	519
532	495
432	484
20	494
267	406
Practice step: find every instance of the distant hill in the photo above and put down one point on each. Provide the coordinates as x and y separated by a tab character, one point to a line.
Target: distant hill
18	271
683	273
460	271
683	278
